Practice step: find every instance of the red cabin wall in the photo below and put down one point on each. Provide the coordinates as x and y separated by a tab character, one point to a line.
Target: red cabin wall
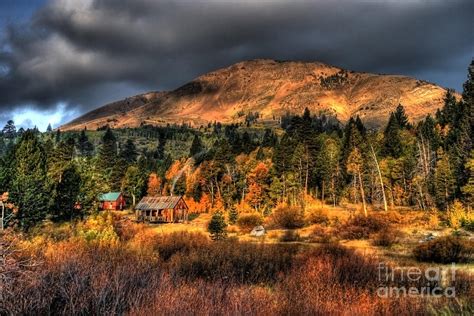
119	204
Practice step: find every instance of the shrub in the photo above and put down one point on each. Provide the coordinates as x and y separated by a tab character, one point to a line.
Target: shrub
193	216
360	227
456	215
386	238
217	226
320	234
432	220
318	216
183	242
289	217
247	222
235	262
444	250
290	235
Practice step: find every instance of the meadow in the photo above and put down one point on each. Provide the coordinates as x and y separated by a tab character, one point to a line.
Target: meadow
327	263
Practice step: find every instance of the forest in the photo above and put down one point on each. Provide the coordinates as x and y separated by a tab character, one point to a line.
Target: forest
244	166
336	200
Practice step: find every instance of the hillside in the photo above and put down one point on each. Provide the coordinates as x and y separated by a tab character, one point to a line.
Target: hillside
272	88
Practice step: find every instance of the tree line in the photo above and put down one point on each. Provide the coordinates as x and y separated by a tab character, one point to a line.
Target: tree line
426	165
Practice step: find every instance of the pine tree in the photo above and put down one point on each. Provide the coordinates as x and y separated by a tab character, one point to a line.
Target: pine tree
9	131
269	138
29	192
60	159
468	189
196	147
66	195
247	143
3	147
129	152
427	130
282	154
401	117
49	129
58	135
468	96
360	126
448	113
108	161
233	215
392	140
7	165
84	146
20	132
217	226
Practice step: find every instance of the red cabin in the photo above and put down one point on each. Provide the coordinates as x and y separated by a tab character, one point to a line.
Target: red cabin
112	201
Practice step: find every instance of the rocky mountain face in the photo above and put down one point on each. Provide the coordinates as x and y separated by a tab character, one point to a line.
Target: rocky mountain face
271	89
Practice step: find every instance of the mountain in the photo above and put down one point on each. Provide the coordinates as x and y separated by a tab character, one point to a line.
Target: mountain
272	88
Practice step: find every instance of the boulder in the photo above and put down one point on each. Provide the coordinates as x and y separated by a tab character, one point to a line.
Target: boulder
257	231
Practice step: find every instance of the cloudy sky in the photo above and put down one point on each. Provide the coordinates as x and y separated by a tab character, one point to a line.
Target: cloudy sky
61	58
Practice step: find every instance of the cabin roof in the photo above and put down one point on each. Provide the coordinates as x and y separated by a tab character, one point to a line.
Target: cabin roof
158	202
111	196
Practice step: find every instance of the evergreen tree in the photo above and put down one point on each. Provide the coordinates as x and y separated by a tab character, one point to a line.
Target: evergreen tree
60	159
49	129
448	113
29	192
20	132
9	131
468	189
58	135
392	140
282	155
160	150
222	154
468	96
3	147
427	130
129	152
108	161
233	215
196	147
217	226
66	195
247	143
269	138
91	187
353	138
360	126
7	165
84	146
401	117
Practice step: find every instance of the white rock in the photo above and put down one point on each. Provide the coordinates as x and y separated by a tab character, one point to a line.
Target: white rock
257	231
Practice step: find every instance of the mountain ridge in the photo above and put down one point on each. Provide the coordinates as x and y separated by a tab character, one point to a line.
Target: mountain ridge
271	88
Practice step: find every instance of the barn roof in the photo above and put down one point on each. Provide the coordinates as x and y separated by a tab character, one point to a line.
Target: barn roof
111	196
158	202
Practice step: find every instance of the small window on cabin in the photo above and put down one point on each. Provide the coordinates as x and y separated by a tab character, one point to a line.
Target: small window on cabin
111	205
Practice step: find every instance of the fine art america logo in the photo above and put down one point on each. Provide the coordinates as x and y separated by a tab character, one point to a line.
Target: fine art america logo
413	281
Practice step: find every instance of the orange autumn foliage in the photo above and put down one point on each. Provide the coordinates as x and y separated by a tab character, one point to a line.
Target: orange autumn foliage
154	185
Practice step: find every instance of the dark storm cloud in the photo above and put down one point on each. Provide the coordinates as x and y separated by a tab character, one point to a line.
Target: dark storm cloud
84	53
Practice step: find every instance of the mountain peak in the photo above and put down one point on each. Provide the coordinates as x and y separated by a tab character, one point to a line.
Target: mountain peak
272	88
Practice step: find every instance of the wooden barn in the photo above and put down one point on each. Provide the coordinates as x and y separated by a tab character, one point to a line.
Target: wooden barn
162	209
112	201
